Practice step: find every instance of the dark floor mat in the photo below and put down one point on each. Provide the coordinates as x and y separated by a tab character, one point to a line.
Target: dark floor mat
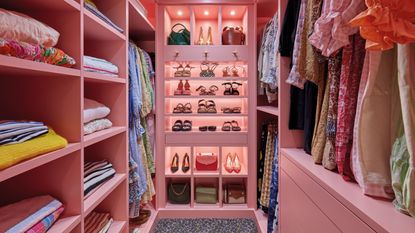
206	225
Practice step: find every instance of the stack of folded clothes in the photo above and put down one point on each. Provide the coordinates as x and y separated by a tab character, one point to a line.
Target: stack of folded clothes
24	37
32	215
98	65
96	174
98	222
92	7
21	140
94	116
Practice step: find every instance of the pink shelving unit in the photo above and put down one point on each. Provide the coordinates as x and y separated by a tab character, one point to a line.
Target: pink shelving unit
54	95
214	14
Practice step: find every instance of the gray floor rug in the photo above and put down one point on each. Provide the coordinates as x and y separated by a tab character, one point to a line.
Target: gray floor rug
206	225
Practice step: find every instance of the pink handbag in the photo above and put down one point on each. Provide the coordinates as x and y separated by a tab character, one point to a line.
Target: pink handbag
206	162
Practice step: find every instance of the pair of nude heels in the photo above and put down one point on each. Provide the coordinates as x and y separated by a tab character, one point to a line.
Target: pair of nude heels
202	41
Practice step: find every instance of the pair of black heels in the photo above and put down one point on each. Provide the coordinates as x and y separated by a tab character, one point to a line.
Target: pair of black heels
231	88
180	125
174	166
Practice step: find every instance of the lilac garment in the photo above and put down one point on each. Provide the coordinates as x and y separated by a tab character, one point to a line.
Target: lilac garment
99	14
294	77
137	175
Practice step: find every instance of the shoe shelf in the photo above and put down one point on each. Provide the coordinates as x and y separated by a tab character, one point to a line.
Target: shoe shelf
210	80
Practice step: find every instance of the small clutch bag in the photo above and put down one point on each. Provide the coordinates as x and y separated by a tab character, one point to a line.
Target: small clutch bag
179	193
206	195
206	162
234	194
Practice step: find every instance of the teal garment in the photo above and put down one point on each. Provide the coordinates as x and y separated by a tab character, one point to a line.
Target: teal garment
399	169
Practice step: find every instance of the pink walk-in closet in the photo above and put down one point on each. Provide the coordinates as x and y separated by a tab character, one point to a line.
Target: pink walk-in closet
177	116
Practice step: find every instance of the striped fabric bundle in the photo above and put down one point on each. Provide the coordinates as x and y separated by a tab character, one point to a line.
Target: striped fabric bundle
98	223
13	132
95	174
34	215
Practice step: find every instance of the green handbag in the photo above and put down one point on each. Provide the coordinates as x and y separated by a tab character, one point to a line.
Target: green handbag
180	37
179	193
206	195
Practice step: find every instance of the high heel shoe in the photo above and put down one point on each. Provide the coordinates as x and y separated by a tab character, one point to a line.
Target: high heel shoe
174	166
209	40
185	163
228	163
200	41
236	164
187	90
179	90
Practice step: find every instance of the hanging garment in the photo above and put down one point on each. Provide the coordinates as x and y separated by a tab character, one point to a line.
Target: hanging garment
150	191
288	29
137	176
374	126
403	157
319	136
294	77
266	180
352	64
334	70
332	29
311	94
386	22
260	161
309	66
270	63
273	199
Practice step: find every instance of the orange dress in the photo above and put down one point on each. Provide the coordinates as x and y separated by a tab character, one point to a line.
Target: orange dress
386	22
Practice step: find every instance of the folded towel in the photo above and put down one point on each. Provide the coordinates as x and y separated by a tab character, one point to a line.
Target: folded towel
46	223
23	215
15	153
97	125
96	221
99	14
94	110
99	65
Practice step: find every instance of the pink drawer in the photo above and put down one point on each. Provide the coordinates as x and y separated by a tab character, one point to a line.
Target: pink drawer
336	211
298	213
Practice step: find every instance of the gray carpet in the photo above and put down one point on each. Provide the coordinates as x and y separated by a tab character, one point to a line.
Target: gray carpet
206	225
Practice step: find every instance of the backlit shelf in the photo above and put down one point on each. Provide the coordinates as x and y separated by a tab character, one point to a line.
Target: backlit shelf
197	173
38	161
206	114
179	173
216	79
101	193
210	97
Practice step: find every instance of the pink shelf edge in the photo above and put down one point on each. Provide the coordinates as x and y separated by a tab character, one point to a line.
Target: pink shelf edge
65	224
379	214
38	161
102	24
117	226
102	78
269	109
74	4
103	134
134	3
99	195
30	66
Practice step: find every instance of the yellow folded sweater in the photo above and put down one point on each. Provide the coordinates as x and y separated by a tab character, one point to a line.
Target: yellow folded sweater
15	153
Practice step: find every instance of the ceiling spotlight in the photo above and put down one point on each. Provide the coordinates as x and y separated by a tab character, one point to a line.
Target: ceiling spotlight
233	12
206	13
180	13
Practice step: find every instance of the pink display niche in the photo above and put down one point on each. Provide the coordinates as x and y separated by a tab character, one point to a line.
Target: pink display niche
177	15
205	18
238	156
181	152
209	182
206	165
235	16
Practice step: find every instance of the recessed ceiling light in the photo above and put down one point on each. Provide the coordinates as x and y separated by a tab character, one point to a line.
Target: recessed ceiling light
180	13
206	13
233	12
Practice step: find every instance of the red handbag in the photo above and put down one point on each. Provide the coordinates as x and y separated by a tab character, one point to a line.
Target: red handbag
206	162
